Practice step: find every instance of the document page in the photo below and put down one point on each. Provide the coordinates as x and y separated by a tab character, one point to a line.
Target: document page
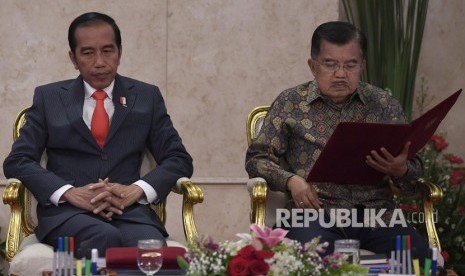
343	158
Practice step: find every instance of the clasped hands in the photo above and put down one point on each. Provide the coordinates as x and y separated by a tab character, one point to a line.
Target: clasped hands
104	198
304	194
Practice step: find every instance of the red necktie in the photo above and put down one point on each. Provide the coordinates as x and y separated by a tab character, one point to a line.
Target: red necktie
100	123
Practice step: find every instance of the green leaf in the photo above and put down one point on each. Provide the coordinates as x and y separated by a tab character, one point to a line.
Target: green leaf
394	31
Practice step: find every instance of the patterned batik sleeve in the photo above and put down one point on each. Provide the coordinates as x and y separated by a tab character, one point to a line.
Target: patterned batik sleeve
264	155
407	183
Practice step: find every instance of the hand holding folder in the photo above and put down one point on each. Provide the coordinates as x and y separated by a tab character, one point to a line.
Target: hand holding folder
343	158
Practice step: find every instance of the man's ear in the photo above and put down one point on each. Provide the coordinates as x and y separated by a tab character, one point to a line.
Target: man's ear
72	57
120	50
312	65
364	65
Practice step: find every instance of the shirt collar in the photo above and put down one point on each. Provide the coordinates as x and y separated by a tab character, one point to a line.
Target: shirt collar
89	90
314	92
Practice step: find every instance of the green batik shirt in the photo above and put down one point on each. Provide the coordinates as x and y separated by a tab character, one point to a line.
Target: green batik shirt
297	127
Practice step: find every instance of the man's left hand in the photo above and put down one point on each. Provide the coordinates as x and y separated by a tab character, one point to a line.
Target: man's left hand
125	195
383	161
119	196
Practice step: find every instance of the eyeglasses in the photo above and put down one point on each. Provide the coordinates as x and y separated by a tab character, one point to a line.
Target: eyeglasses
331	66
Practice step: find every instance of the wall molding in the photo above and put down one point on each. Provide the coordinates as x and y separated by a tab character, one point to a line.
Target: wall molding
196	180
219	180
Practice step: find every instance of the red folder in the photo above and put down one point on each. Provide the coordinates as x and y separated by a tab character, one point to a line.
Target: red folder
126	257
343	158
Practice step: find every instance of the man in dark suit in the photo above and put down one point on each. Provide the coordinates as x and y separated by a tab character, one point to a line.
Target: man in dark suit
91	188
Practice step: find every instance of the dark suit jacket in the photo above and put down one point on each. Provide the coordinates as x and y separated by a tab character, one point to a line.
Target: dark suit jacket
55	124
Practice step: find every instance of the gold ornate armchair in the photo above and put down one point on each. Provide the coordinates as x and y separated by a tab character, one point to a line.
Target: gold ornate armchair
264	201
23	207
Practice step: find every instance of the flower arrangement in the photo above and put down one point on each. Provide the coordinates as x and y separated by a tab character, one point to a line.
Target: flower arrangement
264	252
447	171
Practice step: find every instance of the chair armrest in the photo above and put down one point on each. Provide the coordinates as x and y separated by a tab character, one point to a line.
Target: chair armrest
430	191
12	196
257	188
191	195
430	194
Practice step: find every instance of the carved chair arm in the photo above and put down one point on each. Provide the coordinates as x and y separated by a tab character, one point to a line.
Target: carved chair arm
192	194
257	188
430	194
18	228
430	191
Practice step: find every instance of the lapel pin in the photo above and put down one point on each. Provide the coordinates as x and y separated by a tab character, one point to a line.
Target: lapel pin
122	101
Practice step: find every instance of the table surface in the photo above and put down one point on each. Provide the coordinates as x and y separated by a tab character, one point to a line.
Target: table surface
136	272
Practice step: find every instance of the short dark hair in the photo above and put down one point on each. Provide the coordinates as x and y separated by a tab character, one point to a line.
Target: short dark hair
337	32
89	19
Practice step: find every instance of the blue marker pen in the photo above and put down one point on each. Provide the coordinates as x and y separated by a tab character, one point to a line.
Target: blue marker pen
398	253
94	258
60	256
379	269
434	261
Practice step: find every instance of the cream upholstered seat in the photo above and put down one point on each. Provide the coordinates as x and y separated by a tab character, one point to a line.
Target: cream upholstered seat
264	201
27	256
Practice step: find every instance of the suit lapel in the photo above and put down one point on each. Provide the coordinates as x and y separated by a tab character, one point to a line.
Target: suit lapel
73	102
121	95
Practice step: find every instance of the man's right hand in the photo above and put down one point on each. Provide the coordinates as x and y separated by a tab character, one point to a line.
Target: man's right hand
303	194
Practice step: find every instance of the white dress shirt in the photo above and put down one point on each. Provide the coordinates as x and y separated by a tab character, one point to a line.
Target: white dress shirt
88	110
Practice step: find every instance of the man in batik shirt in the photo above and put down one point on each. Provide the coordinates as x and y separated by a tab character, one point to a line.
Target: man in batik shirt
300	122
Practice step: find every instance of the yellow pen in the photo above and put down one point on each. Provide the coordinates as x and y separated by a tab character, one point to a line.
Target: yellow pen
79	267
78	263
416	267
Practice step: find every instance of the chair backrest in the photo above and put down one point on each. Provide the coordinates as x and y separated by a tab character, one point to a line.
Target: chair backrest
274	199
255	122
29	203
